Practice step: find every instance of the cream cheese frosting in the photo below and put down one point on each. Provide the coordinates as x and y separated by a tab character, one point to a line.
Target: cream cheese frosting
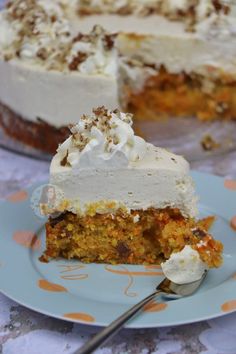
158	41
105	162
184	267
24	87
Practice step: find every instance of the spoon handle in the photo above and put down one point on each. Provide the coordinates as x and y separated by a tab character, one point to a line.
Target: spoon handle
115	326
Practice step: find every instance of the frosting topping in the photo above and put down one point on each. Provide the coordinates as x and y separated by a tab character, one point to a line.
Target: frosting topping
40	32
39	27
102	140
189	11
93	53
217	27
184	267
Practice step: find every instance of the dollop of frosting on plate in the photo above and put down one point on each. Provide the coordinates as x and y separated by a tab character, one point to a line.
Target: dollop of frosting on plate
102	140
184	267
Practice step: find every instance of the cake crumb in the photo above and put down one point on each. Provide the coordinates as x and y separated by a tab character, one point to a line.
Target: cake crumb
208	143
136	218
44	259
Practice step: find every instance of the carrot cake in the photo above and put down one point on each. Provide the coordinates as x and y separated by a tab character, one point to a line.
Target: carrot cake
153	58
125	200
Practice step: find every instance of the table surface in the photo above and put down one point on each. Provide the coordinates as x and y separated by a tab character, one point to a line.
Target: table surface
27	332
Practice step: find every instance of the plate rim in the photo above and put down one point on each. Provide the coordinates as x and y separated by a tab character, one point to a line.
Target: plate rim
99	323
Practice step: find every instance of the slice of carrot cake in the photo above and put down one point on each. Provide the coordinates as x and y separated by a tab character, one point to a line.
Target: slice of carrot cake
125	200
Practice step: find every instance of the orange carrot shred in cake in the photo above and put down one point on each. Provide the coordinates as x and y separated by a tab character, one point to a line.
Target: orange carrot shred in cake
125	200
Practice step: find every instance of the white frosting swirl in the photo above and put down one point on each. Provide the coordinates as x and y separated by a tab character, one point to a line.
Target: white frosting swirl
217	27
27	28
101	141
7	32
184	267
99	58
205	7
41	33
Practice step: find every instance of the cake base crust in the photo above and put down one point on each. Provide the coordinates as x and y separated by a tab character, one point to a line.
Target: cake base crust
142	237
39	135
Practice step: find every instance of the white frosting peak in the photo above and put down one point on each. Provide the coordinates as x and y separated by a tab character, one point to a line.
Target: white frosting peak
41	33
94	53
34	30
217	27
103	140
184	267
7	32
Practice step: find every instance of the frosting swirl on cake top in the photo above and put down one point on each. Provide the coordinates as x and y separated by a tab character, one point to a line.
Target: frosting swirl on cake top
40	32
102	140
40	29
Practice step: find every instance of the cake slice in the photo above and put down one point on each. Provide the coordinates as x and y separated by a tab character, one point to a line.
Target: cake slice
124	200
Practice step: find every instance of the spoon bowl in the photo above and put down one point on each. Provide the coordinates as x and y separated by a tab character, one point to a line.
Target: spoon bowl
170	290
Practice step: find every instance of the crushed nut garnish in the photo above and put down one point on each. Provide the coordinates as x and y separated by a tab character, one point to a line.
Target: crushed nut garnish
186	12
64	161
45	36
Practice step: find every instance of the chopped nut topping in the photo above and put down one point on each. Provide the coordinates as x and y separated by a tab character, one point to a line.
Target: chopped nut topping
39	32
42	53
102	120
87	46
64	161
42	33
80	58
109	41
221	7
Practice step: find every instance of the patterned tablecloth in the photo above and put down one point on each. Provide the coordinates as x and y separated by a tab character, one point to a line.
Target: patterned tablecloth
26	332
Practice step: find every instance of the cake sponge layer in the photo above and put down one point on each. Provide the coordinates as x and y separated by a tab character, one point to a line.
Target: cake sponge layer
142	237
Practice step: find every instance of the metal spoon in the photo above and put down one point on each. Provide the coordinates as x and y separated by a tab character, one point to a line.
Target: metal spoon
166	288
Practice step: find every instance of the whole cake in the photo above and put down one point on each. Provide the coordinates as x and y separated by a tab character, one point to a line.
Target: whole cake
124	200
154	58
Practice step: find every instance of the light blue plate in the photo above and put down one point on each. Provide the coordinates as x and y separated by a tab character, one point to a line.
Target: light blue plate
97	294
